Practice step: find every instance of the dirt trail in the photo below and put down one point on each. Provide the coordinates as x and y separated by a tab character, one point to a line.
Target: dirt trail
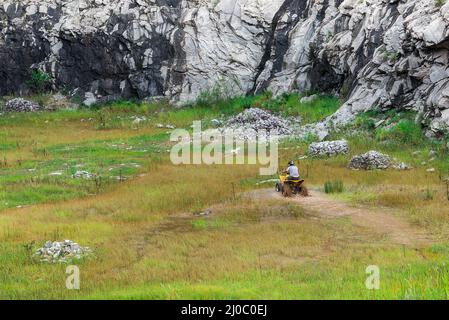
380	220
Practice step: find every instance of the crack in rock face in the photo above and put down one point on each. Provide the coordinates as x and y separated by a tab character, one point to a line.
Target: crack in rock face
374	53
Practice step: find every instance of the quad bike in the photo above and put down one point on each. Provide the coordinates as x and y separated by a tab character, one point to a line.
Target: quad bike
289	188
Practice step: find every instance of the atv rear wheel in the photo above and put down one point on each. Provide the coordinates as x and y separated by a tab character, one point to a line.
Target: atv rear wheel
304	192
287	192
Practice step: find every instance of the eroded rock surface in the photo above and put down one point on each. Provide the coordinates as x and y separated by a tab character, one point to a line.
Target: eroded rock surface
374	53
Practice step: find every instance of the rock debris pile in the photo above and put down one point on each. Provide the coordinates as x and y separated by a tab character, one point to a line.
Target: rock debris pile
329	148
371	160
64	251
254	121
21	105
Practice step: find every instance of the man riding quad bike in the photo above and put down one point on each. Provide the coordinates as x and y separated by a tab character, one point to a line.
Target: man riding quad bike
290	182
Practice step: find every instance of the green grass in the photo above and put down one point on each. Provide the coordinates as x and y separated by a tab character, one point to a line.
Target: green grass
33	182
333	186
148	242
406	132
204	224
310	112
207	108
26	181
402	277
400	136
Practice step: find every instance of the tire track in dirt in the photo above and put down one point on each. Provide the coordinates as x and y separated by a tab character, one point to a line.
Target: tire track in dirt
380	220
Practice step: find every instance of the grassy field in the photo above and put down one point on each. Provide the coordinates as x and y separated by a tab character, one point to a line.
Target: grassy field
139	214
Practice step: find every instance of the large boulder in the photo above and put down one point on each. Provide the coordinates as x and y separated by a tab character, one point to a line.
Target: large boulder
371	160
21	105
59	101
329	148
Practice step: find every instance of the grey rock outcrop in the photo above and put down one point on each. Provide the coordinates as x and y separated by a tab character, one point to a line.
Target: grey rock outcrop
373	53
21	105
370	161
329	148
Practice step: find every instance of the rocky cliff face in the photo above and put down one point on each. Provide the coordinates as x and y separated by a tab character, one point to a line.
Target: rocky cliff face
375	53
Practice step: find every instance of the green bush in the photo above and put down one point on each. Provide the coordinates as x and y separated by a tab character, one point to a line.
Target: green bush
392	56
440	3
106	120
39	81
333	186
220	92
428	194
365	121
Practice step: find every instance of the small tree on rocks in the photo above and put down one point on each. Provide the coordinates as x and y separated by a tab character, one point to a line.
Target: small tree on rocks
39	81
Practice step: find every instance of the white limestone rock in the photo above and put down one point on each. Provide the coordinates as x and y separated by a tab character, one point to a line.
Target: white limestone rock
329	148
371	160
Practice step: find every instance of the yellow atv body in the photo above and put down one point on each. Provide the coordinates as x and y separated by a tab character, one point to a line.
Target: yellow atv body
291	187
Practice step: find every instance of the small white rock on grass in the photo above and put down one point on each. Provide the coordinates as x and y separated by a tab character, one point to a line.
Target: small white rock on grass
83	175
401	166
56	173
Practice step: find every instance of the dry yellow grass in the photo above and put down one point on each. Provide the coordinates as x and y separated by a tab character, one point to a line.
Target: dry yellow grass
418	195
30	138
149	244
143	239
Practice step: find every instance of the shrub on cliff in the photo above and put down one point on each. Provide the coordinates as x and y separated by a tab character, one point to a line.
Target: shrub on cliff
39	81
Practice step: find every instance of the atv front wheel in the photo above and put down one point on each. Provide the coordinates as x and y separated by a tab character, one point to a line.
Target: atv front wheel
278	187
